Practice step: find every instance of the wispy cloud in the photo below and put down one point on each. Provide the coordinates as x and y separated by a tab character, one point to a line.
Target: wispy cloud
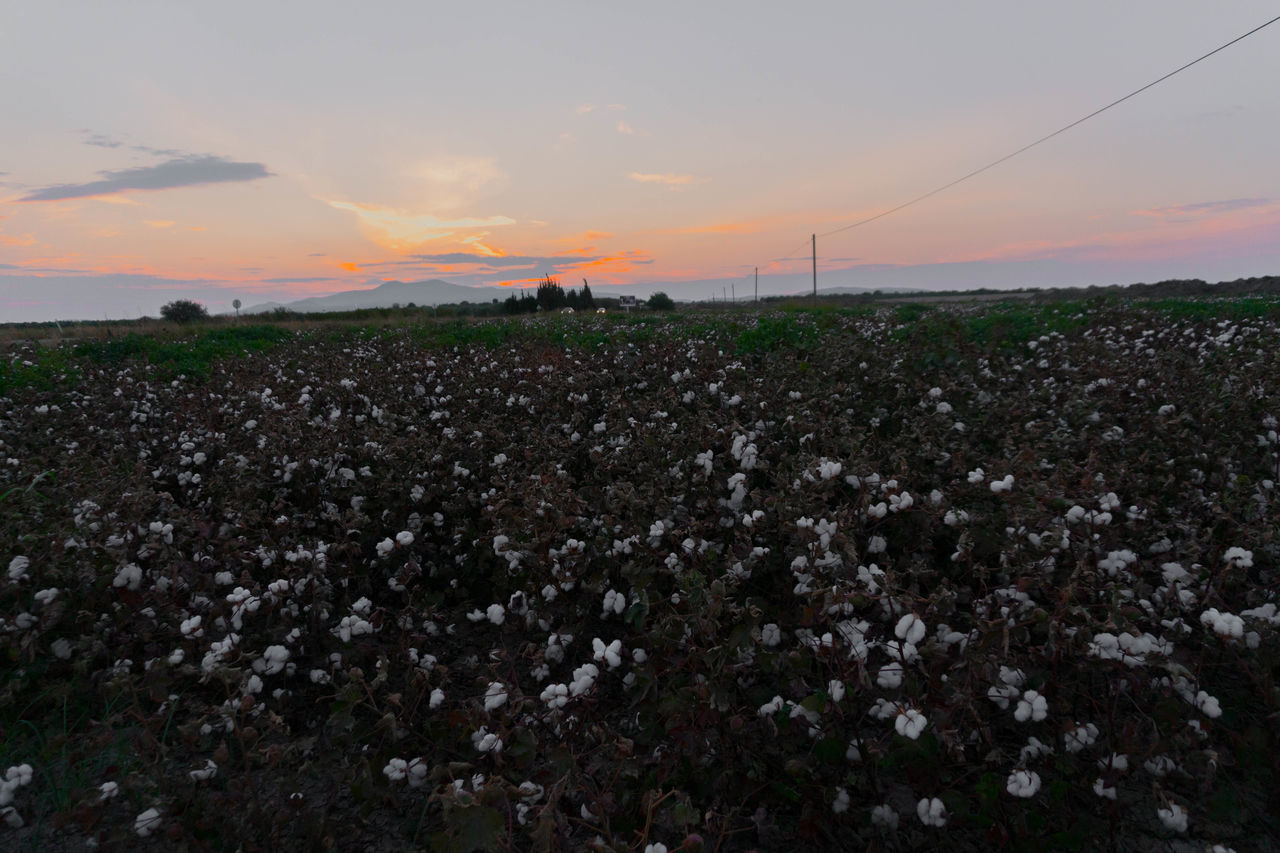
717	228
625	129
585	237
670	181
14	240
171	174
402	230
584	109
1204	208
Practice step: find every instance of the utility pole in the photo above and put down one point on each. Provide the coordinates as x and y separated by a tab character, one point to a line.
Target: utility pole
814	238
733	289
757	284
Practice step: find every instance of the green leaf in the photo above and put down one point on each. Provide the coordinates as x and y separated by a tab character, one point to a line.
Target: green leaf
471	828
829	750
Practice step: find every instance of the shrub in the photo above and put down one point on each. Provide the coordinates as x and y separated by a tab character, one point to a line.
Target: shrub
661	302
184	311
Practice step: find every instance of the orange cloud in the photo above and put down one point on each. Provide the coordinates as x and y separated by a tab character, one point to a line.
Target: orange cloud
585	237
24	240
404	231
159	223
625	129
349	266
719	228
670	181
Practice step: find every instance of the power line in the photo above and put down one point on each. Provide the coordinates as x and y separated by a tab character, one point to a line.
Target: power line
1028	146
1047	137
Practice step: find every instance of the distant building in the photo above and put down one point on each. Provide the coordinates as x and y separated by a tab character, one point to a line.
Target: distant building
627	302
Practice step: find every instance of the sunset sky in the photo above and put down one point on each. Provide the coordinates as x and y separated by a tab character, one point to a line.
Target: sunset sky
271	151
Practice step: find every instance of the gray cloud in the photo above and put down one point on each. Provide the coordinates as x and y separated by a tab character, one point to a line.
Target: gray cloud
1205	207
500	262
181	172
297	280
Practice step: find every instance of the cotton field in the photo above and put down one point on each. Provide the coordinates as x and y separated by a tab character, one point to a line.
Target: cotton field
980	579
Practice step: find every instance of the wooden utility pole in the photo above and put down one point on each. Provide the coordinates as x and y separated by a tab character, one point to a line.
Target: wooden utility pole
814	238
757	284
733	290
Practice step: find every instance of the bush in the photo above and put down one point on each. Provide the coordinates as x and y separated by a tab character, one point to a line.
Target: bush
661	302
184	311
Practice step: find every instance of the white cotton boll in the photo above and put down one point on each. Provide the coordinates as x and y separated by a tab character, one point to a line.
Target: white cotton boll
1208	705
932	812
18	568
977	475
1080	737
884	817
404	538
129	576
1104	789
910	628
19	775
771	707
1223	624
657	847
107	791
495	696
771	635
437	699
998	486
486	741
147	822
877	544
496	614
396	769
209	770
835	688
1012	676
45	596
191	627
889	676
841	803
1032	706
910	723
273	660
385	547
1174	817
1023	783
614	602
1238	557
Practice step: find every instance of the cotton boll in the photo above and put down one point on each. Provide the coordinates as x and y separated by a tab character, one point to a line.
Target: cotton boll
932	812
1023	783
890	676
1104	789
147	822
495	696
910	723
910	628
1031	707
496	614
771	635
1174	817
884	817
18	568
841	803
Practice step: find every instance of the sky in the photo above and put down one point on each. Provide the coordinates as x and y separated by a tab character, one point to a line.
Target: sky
273	151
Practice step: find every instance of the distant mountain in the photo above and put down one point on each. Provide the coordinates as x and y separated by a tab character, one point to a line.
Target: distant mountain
430	292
